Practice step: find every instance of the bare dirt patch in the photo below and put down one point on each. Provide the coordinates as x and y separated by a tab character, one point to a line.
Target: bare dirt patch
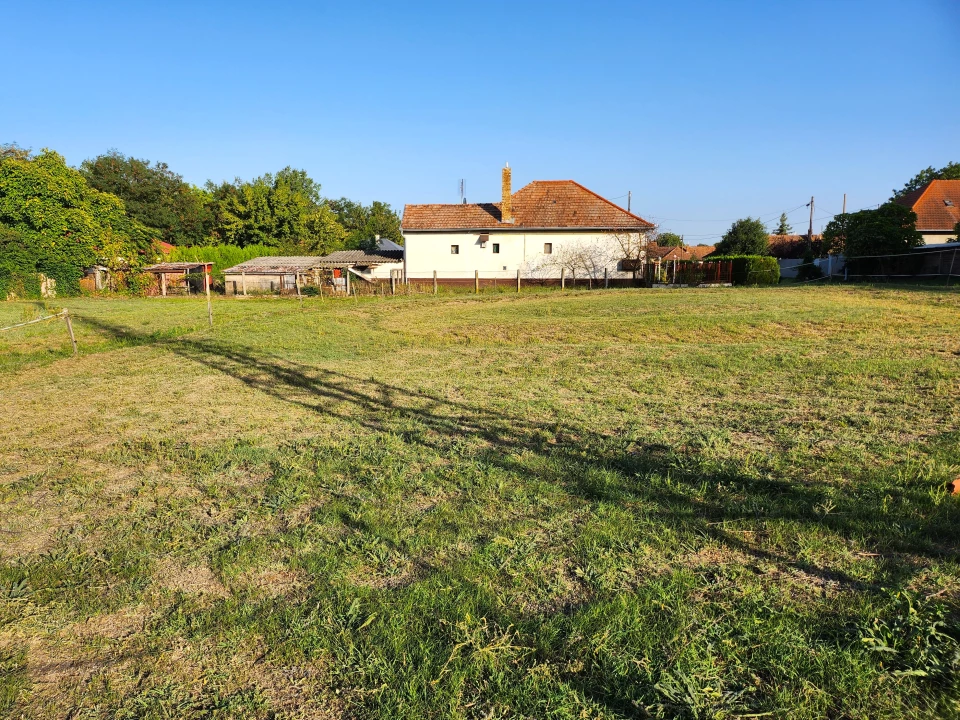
193	580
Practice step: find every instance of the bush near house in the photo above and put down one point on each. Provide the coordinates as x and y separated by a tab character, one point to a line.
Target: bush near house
753	269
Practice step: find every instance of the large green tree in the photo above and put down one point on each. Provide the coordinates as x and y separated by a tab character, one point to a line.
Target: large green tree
284	210
363	223
950	171
55	223
669	239
888	230
175	211
747	236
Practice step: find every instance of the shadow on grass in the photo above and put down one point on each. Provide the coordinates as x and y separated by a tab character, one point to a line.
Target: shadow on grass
703	494
683	487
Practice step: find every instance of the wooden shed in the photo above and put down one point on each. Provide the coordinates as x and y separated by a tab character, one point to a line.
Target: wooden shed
176	278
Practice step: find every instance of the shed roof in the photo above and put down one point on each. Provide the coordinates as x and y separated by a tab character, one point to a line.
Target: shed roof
937	204
347	258
541	204
276	264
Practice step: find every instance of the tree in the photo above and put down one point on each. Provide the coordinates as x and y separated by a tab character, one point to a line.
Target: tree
784	228
60	223
668	239
284	211
172	209
888	230
633	250
747	236
950	171
364	223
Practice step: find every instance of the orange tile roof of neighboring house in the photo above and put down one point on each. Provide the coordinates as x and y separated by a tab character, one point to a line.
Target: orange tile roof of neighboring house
553	204
937	204
165	247
679	252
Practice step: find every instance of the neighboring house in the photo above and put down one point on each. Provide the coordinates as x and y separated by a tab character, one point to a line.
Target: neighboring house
271	274
544	228
937	205
656	253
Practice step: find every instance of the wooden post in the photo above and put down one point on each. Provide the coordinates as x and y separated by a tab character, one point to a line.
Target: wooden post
518	281
563	278
606	280
66	319
296	280
346	275
434	282
393	283
163	284
186	281
206	284
476	282
243	279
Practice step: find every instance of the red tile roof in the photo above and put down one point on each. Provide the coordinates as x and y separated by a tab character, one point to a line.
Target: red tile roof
678	252
793	247
546	204
937	204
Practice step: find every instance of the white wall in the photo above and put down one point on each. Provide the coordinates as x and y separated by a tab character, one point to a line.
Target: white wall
938	238
426	252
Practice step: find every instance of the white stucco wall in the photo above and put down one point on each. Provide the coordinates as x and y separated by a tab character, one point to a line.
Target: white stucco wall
938	238
429	251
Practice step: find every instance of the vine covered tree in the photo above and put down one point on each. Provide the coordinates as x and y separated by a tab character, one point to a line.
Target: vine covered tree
56	224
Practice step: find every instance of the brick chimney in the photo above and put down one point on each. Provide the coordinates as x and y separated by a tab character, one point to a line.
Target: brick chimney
506	209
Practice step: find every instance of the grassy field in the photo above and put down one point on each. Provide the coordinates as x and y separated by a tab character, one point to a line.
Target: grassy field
611	504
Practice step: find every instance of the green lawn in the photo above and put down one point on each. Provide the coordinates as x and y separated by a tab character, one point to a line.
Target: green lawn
610	504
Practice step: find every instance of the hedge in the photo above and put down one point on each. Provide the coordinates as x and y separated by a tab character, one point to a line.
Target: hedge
752	269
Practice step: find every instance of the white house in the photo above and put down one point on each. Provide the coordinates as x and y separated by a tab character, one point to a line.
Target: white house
546	227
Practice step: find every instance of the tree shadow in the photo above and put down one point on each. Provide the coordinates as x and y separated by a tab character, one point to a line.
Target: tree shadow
506	438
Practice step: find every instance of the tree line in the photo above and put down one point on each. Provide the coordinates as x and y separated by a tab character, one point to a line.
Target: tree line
57	220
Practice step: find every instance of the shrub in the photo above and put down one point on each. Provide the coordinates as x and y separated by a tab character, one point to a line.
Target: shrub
753	269
809	271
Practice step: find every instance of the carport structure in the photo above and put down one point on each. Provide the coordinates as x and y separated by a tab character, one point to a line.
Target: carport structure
175	277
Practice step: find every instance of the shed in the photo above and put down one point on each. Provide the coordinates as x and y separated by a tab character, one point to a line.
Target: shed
271	274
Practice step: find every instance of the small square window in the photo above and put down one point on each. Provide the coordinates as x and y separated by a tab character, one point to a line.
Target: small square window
454	249
496	248
548	248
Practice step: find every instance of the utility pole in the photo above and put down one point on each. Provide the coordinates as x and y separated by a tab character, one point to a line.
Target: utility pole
629	197
810	228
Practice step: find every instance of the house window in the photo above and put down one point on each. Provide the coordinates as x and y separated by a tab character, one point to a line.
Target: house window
548	248
454	249
496	248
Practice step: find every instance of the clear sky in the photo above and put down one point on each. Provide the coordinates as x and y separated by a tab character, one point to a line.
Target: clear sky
706	111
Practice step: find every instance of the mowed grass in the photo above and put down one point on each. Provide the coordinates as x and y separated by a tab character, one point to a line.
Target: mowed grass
608	504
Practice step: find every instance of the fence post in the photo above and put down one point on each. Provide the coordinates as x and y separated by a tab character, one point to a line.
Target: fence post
952	261
66	319
434	282
476	282
296	281
563	278
606	280
393	283
346	275
163	284
206	285
243	280
518	280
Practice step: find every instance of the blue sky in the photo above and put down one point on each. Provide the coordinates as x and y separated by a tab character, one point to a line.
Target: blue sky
706	111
